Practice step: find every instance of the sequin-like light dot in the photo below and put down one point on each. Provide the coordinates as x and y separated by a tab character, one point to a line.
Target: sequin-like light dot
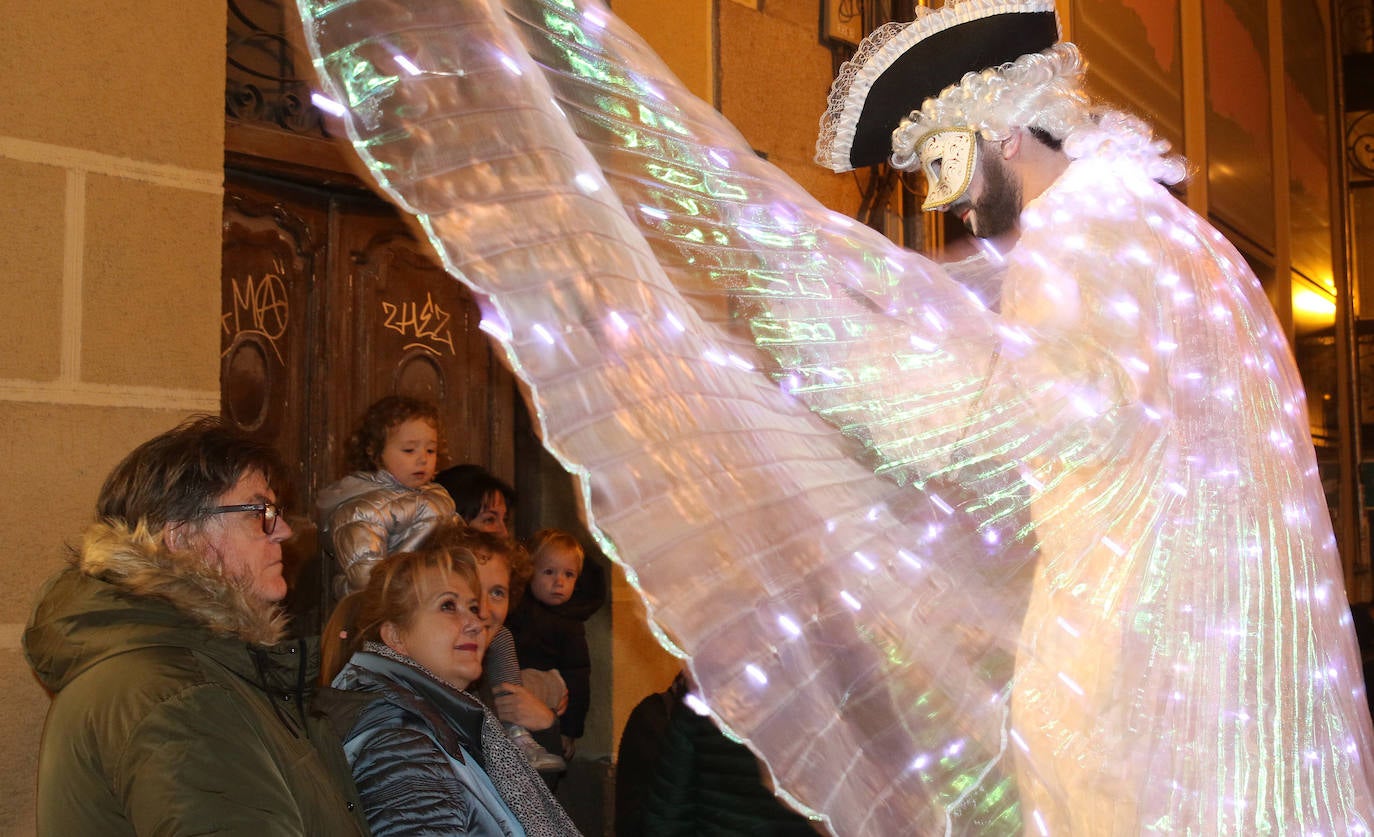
407	65
756	674
619	322
864	561
789	625
586	183
327	104
1126	308
696	704
1073	686
739	362
994	255
1015	335
1019	741
495	329
1085	405
1138	254
594	17
848	599
509	63
542	333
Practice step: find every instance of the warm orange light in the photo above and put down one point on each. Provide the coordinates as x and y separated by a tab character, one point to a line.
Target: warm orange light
1313	304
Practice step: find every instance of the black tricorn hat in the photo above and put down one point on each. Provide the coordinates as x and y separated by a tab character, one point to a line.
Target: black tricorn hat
899	66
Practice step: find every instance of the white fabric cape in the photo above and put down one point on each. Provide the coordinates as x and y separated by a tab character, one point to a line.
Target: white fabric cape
1066	569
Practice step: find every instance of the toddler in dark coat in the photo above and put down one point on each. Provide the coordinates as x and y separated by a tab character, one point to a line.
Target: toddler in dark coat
548	628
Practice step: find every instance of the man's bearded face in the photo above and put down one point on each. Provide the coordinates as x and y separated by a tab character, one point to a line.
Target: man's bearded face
992	204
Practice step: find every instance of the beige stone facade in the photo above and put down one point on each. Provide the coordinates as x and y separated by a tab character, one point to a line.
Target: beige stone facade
111	163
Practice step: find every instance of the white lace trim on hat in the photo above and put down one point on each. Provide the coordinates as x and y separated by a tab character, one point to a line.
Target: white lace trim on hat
877	52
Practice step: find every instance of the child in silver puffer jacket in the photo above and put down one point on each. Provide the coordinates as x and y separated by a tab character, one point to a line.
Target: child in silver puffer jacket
390	502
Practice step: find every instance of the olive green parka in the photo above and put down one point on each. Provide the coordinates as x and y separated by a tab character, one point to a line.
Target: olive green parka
175	709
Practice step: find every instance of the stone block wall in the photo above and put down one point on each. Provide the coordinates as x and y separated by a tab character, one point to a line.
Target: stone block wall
111	164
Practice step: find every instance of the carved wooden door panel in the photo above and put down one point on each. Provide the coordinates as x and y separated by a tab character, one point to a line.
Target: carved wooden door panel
274	245
417	331
329	303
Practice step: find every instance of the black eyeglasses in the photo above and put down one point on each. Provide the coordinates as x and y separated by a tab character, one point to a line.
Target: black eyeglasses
269	512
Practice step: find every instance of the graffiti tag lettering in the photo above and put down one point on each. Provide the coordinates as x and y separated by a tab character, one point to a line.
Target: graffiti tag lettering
260	307
427	322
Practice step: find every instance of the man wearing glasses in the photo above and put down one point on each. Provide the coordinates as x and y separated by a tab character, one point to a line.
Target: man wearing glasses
177	708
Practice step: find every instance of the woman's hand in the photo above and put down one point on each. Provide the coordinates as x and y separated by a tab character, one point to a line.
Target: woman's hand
517	705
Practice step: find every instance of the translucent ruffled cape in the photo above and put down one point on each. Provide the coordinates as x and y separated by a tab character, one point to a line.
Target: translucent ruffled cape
1065	568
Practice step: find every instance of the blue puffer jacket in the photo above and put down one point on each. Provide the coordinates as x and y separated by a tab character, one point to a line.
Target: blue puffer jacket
415	747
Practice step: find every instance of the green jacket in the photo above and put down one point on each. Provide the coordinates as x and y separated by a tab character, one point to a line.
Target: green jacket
175	710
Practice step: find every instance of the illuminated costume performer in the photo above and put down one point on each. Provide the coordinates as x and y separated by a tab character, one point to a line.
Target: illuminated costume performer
1143	699
1094	589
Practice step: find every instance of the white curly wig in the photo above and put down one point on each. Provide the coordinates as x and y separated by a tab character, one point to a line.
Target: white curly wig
1042	91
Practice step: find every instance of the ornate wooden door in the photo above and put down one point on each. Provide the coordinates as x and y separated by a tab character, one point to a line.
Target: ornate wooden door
329	303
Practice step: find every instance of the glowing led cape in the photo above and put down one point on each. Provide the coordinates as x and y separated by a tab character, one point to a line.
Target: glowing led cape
1093	589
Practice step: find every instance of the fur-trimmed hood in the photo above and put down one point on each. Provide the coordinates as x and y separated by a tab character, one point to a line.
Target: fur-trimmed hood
127	590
